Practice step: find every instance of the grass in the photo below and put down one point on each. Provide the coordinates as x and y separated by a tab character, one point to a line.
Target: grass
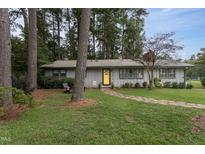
196	84
186	95
111	121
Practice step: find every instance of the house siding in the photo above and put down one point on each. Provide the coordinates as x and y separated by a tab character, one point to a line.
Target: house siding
94	76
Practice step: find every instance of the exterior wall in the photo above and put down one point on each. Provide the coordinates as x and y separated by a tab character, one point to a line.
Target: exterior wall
119	82
94	77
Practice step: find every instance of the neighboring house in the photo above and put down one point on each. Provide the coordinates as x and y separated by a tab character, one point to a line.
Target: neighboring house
117	71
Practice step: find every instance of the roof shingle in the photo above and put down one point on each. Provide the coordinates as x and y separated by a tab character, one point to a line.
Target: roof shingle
112	63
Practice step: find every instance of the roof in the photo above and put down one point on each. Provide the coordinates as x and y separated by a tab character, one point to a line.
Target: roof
112	63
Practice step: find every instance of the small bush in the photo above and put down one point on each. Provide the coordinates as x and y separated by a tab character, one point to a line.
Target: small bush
126	85
19	97
100	85
175	85
131	85
157	83
203	81
189	86
137	85
167	85
181	85
112	85
49	82
144	84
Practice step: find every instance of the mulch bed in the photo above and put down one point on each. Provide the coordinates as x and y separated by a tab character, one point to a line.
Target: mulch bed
43	94
199	123
13	112
83	103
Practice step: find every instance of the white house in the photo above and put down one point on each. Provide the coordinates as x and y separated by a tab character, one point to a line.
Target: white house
117	71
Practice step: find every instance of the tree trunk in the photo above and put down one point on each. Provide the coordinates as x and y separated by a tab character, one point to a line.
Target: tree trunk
93	52
32	52
25	29
58	30
54	40
78	93
151	79
5	58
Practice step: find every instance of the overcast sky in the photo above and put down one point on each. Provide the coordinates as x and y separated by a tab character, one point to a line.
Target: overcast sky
188	24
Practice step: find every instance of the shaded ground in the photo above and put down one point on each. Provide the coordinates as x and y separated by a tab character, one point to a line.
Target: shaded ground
111	120
13	112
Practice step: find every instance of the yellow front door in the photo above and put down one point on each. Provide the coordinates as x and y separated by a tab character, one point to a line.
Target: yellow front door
106	77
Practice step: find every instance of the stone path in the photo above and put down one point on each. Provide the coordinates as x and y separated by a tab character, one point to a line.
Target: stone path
152	100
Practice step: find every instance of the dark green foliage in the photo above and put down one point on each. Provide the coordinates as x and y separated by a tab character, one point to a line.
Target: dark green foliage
189	86
100	85
175	85
19	97
112	85
181	85
157	82
49	82
167	85
203	81
137	85
19	82
145	84
127	85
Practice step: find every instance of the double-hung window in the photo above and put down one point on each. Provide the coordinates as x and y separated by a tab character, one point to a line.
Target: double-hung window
131	73
167	73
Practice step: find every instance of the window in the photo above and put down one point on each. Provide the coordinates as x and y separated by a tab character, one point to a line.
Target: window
167	73
55	73
59	73
63	73
131	73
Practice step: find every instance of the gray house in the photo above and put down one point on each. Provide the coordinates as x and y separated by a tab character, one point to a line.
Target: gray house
117	71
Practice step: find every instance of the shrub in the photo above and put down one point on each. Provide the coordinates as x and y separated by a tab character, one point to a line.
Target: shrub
112	85
137	85
19	82
181	85
19	97
167	85
131	85
189	86
157	82
48	82
126	85
100	85
175	85
203	81
144	84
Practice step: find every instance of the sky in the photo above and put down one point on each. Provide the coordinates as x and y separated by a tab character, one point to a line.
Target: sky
188	25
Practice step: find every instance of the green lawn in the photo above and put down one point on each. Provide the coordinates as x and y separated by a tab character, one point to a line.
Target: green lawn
195	83
111	121
186	95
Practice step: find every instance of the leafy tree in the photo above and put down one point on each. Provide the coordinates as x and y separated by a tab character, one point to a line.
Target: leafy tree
161	46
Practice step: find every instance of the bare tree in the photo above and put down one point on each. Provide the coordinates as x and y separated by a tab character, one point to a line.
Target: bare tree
161	46
78	93
5	59
32	51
